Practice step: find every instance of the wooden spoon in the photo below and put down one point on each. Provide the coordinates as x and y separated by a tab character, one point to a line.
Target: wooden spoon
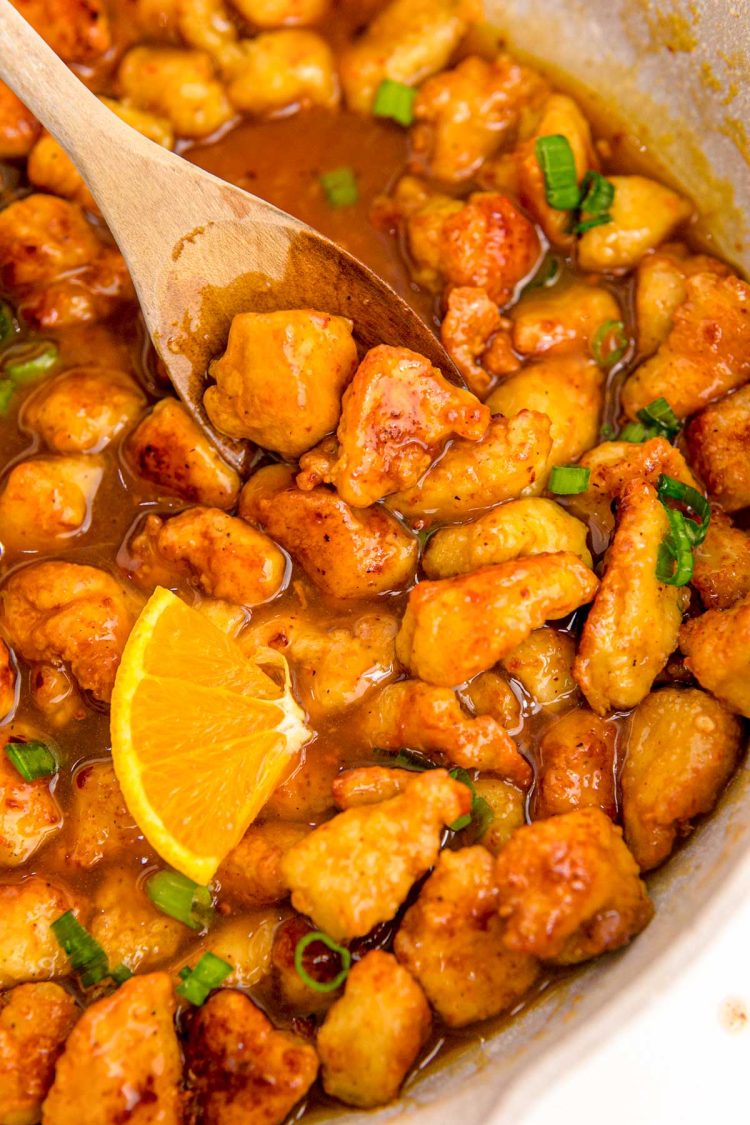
199	250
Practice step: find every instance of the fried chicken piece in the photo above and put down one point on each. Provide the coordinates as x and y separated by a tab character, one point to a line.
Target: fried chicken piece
514	530
47	500
281	378
421	213
76	30
510	461
306	795
35	1020
643	214
346	553
283	13
721	573
458	627
121	1061
8	681
576	765
508	807
563	318
168	448
464	115
431	719
718	444
130	930
181	85
28	948
476	338
244	1071
84	409
60	611
633	625
355	870
395	418
543	665
251	873
569	889
407	41
368	785
19	128
373	1033
245	942
683	747
451	940
705	355
52	260
280	71
660	290
29	814
717	652
98	825
569	389
490	693
54	692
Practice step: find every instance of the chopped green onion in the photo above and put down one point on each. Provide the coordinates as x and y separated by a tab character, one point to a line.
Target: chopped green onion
557	162
6	394
568	480
179	897
691	498
425	535
598	195
395	100
674	565
480	814
344	954
340	187
31	361
636	432
546	275
406	760
661	415
609	343
120	973
607	432
589	224
7	322
85	954
32	760
207	975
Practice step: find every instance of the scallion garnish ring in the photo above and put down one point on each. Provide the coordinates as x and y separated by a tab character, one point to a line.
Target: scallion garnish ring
342	951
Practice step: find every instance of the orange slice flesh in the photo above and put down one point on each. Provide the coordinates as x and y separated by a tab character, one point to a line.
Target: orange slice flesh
201	735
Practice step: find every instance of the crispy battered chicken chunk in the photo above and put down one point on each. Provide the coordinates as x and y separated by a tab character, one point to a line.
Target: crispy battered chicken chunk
367	785
221	554
245	942
365	1060
706	353
455	628
660	290
129	929
510	461
346	553
395	418
717	652
48	500
431	719
121	1061
569	888
407	41
251	873
569	390
244	1071
355	870
19	128
28	948
721	572
76	30
511	531
8	681
543	665
718	442
464	115
29	813
98	825
683	746
84	409
57	612
576	765
281	377
178	84
491	694
561	319
35	1020
280	70
283	13
451	941
633	625
169	449
306	795
476	338
644	214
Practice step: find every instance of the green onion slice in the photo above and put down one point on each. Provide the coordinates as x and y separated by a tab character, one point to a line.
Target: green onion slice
120	973
7	322
557	162
480	815
607	432
179	897
406	760
660	414
33	760
207	975
6	394
31	361
598	193
340	187
425	534
594	221
85	954
568	480
395	100
344	954
674	565
636	432
609	343
692	499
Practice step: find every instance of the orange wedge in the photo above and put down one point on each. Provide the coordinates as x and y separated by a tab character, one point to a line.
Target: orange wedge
201	735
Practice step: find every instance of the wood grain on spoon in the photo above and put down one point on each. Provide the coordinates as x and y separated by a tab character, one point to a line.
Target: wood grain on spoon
199	250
